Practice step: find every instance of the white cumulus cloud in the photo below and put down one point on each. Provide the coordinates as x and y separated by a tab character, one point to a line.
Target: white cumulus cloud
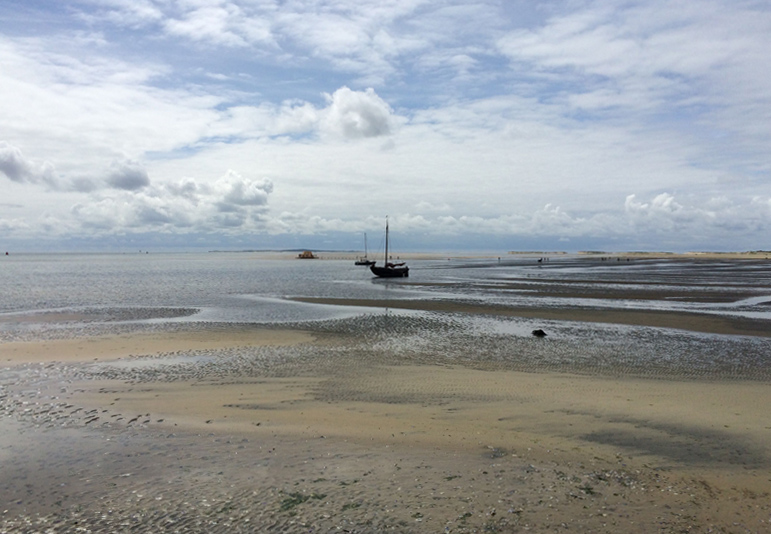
231	202
356	114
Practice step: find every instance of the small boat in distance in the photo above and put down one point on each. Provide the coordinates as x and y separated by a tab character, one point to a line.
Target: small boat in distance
363	260
390	270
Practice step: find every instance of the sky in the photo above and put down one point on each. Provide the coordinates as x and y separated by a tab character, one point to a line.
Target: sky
488	125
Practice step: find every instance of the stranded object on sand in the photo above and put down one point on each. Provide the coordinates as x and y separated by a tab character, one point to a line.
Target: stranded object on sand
390	270
539	333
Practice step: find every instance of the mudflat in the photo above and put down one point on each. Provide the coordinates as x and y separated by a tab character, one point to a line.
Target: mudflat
243	429
695	322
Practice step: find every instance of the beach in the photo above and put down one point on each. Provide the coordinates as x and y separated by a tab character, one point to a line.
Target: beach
378	445
395	421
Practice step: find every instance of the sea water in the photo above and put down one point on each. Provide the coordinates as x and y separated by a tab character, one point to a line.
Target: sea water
219	286
246	287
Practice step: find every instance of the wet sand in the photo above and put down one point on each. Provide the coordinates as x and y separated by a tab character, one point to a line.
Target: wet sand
695	322
237	429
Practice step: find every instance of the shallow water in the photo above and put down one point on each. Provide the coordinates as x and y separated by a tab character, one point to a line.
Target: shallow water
243	287
66	295
230	287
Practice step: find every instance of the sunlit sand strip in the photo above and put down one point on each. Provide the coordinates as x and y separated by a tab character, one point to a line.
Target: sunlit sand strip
465	409
715	435
106	348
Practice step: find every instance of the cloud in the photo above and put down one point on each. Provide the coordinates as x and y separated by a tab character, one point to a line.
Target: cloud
19	169
231	202
348	114
294	116
13	225
662	220
186	188
661	204
356	114
664	214
127	13
125	174
235	191
128	175
691	68
718	217
113	110
99	214
13	164
83	184
371	39
223	24
428	207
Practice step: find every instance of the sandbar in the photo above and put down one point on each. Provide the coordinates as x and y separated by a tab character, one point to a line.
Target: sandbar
112	347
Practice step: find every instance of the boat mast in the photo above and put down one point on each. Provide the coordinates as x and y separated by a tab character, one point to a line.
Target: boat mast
386	248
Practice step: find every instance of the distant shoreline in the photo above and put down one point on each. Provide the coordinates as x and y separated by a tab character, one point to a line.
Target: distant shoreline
292	254
513	254
748	255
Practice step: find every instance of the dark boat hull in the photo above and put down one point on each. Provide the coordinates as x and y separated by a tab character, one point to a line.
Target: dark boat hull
390	272
364	262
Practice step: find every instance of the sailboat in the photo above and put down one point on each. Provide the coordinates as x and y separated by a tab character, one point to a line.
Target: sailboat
364	260
390	270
